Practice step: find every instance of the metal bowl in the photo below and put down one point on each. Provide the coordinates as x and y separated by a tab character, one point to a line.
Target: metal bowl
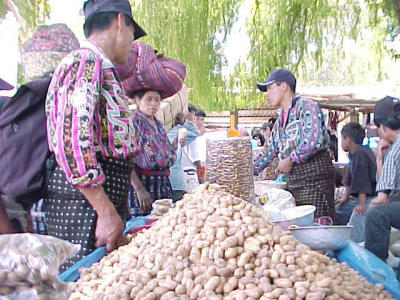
299	215
323	237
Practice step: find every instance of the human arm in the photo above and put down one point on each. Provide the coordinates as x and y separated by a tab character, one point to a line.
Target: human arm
312	134
389	172
269	154
5	223
382	198
284	166
383	145
109	226
143	196
360	207
74	123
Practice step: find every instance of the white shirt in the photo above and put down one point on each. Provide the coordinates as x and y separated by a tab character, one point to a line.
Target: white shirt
202	147
190	155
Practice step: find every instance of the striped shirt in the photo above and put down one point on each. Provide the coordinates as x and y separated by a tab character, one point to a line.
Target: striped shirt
87	114
390	176
299	135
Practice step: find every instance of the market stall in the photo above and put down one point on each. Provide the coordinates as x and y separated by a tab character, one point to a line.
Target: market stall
214	245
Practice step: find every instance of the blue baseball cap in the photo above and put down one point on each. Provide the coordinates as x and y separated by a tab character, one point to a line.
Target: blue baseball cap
386	108
278	75
92	7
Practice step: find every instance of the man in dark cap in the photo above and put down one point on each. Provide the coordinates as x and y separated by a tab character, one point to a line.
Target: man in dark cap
384	210
300	139
91	133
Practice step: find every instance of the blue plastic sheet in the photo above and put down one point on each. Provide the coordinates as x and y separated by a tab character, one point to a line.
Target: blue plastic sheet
370	267
72	273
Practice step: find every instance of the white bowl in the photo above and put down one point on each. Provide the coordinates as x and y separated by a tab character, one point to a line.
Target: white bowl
302	215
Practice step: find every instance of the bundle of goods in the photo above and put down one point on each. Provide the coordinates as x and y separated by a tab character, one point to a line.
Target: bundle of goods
29	266
161	207
229	164
145	69
213	245
45	49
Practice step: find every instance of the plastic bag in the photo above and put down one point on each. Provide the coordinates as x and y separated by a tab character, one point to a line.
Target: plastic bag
29	266
275	200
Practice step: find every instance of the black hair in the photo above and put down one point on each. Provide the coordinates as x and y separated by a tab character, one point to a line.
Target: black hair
139	93
272	120
200	113
391	122
191	107
354	131
102	21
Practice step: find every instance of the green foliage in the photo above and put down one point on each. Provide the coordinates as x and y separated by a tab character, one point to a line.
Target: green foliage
29	13
192	32
386	12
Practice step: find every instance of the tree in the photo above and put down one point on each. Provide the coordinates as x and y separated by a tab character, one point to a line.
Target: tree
28	13
306	36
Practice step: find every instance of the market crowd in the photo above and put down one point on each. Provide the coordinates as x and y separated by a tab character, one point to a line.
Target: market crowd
111	164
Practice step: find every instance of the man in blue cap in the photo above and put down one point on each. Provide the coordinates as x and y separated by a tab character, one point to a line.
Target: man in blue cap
384	210
301	141
91	133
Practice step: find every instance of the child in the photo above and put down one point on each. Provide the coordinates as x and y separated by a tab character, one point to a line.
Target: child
360	181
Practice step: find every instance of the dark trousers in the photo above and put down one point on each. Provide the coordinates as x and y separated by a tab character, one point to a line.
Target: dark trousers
380	218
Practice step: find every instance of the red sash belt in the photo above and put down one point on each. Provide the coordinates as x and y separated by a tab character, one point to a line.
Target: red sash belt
152	173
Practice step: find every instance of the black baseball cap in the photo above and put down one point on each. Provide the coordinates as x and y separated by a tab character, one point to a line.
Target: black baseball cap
278	75
92	7
386	108
4	85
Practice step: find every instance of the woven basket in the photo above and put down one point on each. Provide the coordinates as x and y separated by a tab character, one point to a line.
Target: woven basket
35	64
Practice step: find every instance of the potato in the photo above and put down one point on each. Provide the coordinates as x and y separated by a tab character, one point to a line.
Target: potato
215	246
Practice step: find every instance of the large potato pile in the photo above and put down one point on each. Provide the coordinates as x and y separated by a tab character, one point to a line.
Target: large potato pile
216	246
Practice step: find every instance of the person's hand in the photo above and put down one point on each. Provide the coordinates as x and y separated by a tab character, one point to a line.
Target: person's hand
109	229
6	227
359	209
379	200
284	166
182	141
341	201
144	199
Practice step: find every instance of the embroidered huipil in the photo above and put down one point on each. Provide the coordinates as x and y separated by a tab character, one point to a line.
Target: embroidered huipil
156	151
303	134
87	115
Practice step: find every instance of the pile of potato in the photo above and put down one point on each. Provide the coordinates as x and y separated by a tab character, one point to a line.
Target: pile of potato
213	245
161	207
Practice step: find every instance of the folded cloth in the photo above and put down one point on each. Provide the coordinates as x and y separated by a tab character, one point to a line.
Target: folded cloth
56	37
146	70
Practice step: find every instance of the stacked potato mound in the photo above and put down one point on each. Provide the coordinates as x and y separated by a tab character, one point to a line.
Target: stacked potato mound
213	245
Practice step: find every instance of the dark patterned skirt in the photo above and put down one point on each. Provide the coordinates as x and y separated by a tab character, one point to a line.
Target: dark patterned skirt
69	216
157	184
312	182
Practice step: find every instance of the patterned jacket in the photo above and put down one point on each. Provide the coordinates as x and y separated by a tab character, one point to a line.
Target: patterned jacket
303	134
87	115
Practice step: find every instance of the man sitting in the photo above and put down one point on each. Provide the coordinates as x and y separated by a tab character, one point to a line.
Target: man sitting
384	211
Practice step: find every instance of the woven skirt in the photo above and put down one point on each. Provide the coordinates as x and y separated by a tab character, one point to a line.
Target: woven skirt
69	216
157	185
312	182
